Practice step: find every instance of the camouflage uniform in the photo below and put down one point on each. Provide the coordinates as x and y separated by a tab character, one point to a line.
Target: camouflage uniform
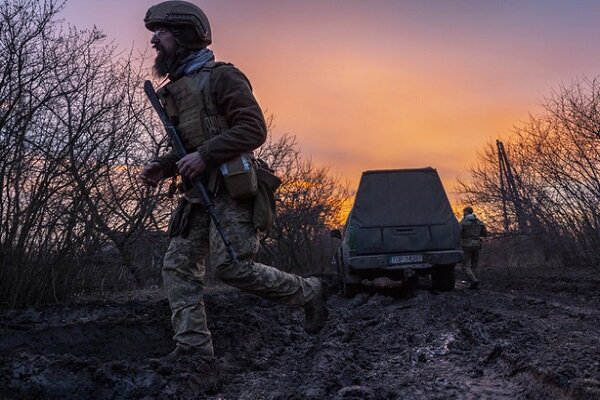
471	231
183	270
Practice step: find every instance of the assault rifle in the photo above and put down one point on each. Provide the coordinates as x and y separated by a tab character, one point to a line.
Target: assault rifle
181	152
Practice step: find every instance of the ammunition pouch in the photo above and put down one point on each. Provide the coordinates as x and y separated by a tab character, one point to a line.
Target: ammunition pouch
240	176
264	211
179	222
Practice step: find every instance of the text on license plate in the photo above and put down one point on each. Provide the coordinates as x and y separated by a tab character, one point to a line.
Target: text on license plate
413	258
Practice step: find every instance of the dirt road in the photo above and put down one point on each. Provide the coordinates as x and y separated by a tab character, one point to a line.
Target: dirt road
505	342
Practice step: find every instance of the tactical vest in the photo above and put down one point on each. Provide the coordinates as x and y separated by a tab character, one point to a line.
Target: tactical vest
191	106
471	233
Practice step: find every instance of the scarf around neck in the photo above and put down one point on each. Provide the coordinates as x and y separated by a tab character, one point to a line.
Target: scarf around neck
194	62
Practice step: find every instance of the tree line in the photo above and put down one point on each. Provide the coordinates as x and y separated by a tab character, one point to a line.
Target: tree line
555	158
75	130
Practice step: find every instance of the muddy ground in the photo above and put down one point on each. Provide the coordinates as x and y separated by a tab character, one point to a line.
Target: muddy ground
525	335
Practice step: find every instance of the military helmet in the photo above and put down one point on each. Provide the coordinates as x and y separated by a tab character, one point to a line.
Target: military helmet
185	20
468	210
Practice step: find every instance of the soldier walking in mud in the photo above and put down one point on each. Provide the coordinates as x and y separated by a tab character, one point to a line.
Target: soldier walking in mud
218	119
471	232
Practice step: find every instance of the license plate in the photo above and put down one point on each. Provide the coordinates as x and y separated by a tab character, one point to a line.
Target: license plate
413	258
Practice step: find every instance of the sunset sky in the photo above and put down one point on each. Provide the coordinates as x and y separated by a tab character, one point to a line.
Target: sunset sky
388	84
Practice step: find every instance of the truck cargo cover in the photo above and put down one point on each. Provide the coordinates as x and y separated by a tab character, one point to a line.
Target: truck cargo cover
406	197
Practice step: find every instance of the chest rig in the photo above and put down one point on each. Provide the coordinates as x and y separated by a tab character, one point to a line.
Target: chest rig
471	233
472	230
190	104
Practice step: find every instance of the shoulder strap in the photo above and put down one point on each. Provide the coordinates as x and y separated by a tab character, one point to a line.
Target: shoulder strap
203	78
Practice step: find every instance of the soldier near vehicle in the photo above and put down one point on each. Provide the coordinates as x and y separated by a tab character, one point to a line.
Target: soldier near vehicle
220	124
471	232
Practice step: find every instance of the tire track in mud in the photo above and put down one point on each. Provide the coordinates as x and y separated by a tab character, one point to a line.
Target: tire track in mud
556	349
463	345
101	332
384	348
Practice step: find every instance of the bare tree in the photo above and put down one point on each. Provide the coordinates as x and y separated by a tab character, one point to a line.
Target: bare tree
310	203
556	157
73	130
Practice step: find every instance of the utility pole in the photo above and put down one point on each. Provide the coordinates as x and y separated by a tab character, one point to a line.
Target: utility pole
509	191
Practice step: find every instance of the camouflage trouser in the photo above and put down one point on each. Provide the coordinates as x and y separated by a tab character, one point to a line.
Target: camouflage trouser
183	270
470	263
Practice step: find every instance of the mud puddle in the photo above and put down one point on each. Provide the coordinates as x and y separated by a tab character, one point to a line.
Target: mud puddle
460	345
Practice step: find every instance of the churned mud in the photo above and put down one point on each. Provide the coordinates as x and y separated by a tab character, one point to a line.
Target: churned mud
516	340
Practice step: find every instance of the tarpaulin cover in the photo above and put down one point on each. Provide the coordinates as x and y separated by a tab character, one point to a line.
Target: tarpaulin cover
400	211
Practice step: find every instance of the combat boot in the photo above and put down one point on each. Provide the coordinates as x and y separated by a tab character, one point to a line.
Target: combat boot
183	353
315	311
201	369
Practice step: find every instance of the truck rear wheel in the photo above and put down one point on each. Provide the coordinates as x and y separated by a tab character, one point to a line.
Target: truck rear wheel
442	278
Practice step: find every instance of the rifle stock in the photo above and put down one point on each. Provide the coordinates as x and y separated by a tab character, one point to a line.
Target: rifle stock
181	152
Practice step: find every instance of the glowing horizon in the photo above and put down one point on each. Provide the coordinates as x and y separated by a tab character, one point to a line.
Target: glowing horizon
384	84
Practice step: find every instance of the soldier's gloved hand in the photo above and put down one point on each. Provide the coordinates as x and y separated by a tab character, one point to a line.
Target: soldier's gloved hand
192	165
152	174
